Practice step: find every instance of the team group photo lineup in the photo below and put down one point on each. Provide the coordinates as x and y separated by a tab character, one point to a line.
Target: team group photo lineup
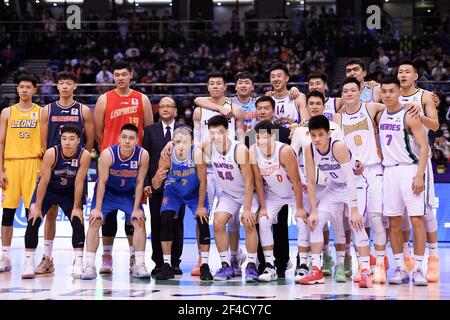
281	170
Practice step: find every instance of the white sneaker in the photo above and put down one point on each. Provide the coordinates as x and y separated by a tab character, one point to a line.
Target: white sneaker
270	273
140	272
77	270
89	273
5	264
28	271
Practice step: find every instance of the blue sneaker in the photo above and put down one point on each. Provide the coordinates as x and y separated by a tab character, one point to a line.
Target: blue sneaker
224	273
399	277
251	275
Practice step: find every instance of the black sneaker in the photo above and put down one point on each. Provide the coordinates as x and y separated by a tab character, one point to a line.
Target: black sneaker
205	273
156	270
166	273
261	268
177	270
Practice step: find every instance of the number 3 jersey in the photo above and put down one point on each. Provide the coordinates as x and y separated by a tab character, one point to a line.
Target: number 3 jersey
275	177
227	172
360	136
123	172
64	171
23	134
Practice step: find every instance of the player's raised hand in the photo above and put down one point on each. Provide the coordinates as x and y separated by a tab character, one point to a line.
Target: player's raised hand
77	212
166	153
294	93
359	168
413	109
202	213
355	219
270	93
3	180
95	215
371	84
35	213
435	98
138	215
312	220
226	113
418	185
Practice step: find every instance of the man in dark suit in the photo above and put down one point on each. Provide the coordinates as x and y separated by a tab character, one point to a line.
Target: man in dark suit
265	109
156	136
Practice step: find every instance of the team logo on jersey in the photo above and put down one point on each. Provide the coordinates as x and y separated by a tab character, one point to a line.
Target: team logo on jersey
74	163
134	101
398	119
34	115
133	164
165	201
74	112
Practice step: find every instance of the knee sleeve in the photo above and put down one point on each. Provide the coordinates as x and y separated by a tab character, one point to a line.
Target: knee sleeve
109	227
378	229
78	236
265	232
8	217
234	223
302	234
203	232
129	229
430	222
360	238
167	225
32	233
406	223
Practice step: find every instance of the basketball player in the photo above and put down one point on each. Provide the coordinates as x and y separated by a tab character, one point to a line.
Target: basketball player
122	170
63	173
276	172
20	158
53	116
288	113
185	184
407	75
217	87
114	109
318	81
315	104
233	172
343	187
405	154
356	68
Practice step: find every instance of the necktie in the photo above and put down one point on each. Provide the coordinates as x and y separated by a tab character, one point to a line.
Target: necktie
167	136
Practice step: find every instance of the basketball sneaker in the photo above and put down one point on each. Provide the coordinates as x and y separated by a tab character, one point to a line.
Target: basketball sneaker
224	273
89	273
328	264
5	264
269	274
314	276
365	280
251	274
28	271
399	277
205	273
379	273
196	270
46	266
166	273
348	265
301	271
236	264
339	273
140	272
418	279
357	277
409	263
386	263
107	263
77	270
433	269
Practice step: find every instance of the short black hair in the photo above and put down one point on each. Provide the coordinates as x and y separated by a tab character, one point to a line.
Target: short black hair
389	79
265	126
215	74
121	64
408	62
350	80
69	128
323	76
66	75
244	75
27	78
279	66
217	121
129	126
265	99
356	61
315	93
319	122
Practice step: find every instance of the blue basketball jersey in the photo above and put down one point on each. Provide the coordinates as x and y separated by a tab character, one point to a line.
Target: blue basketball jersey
182	178
58	116
249	110
64	171
123	172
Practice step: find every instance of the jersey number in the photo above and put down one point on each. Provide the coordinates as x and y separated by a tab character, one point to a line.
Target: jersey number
279	178
334	175
63	181
122	183
24	135
358	140
228	176
389	138
280	110
135	121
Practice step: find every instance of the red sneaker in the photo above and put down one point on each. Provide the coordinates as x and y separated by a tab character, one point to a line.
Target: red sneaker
314	276
366	279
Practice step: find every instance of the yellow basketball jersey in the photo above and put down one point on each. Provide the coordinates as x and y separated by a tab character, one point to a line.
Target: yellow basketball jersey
23	134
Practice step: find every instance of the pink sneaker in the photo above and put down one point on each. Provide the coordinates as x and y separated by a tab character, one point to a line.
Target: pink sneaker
107	263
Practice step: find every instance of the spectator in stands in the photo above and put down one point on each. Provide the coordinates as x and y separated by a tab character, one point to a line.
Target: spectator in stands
104	77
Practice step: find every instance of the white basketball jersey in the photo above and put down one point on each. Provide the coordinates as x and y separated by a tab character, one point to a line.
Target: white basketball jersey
227	171
275	177
328	164
208	114
397	144
360	134
330	108
415	98
286	112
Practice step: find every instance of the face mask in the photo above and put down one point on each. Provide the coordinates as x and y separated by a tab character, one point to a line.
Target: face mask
446	135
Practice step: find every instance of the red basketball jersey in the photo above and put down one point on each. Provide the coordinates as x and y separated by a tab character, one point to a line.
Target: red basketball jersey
120	111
